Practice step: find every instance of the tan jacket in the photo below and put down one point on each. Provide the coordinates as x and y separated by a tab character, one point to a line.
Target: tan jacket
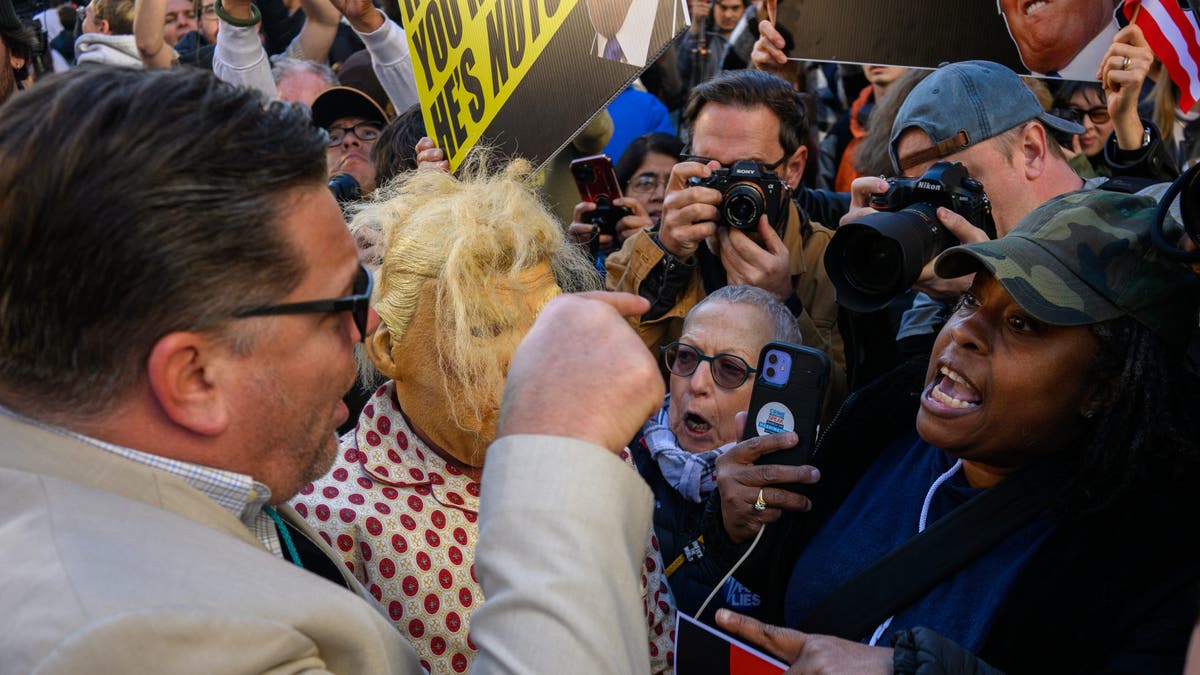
114	567
640	255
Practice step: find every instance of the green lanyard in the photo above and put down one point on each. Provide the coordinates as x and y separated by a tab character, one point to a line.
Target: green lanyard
285	535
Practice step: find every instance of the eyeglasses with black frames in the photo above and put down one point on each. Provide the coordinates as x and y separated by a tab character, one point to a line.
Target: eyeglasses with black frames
728	370
358	304
364	131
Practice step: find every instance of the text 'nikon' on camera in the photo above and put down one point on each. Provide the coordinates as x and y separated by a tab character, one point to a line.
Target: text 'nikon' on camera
878	257
747	192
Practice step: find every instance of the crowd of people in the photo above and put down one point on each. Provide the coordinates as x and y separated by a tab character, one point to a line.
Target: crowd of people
281	393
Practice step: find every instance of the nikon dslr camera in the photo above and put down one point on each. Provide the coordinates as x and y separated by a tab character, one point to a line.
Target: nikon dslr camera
878	257
747	192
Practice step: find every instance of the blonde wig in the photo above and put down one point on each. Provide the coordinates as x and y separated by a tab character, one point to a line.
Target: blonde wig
472	236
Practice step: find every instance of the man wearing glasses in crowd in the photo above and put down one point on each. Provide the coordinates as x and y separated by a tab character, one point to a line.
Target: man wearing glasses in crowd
172	358
738	115
353	121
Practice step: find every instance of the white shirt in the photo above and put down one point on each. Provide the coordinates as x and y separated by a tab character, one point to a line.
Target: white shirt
634	34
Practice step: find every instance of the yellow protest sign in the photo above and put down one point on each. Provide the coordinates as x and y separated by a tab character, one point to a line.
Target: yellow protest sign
535	61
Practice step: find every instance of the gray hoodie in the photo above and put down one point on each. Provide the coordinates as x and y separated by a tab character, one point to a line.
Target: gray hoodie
112	50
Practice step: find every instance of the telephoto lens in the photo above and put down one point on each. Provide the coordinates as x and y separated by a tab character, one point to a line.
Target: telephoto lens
876	258
879	256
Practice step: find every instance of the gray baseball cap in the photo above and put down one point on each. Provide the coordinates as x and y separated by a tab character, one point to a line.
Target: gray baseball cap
963	104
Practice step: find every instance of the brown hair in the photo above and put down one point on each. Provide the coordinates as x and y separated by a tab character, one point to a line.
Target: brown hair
137	229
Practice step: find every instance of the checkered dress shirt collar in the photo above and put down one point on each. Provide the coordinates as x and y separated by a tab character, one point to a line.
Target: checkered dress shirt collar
237	493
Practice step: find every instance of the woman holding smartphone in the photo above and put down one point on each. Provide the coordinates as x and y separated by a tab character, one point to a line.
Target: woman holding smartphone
712	375
642	173
1058	396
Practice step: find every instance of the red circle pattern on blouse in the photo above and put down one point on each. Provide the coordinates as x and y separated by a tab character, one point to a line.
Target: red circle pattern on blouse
405	524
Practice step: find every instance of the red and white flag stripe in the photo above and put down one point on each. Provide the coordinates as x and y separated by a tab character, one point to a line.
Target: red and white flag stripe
1174	39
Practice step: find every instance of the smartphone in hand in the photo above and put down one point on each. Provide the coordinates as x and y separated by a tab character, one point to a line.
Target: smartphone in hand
788	390
597	183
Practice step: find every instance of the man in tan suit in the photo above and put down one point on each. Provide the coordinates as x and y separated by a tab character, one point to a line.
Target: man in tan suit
179	301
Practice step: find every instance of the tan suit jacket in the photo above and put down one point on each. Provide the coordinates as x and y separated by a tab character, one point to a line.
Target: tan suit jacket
114	567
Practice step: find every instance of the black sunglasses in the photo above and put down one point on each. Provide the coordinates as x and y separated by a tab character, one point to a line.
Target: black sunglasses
1098	114
728	371
357	304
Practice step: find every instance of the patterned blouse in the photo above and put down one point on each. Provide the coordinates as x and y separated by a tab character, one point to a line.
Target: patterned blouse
405	522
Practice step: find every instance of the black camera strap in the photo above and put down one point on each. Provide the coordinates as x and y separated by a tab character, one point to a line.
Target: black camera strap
854	609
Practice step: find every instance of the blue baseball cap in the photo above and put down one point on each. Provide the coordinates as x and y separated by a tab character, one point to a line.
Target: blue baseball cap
963	104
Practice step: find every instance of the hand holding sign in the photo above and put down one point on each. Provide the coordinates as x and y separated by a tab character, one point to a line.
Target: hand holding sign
1124	68
429	156
768	49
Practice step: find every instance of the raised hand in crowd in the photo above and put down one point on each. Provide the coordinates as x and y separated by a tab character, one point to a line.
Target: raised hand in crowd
583	231
238	9
1122	72
149	16
549	370
741	482
807	653
319	31
768	49
362	14
945	290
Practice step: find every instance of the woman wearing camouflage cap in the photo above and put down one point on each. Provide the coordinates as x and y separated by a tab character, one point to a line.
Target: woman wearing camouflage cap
1049	472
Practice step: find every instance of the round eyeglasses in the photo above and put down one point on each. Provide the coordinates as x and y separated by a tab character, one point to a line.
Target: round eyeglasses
365	131
728	371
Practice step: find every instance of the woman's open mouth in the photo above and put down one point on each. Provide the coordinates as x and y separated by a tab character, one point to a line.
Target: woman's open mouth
696	424
952	390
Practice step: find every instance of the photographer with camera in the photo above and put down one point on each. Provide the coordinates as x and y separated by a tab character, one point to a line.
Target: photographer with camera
728	218
981	115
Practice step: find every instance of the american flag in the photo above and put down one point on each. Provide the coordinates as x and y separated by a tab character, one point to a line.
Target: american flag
1174	39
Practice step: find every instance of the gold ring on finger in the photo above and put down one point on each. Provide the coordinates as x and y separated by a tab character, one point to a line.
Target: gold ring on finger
760	504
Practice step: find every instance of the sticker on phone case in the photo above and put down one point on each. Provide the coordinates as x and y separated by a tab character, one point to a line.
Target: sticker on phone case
774	418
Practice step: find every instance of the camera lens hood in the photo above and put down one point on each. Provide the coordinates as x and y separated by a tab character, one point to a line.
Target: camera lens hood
878	257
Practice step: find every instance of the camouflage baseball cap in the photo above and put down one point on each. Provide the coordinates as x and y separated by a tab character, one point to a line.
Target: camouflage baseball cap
1086	257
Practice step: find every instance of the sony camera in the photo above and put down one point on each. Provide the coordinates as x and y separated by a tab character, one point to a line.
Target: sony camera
878	257
747	192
